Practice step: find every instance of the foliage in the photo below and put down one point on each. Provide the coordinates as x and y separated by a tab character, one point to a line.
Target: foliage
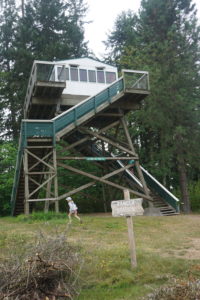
165	43
48	30
7	167
194	189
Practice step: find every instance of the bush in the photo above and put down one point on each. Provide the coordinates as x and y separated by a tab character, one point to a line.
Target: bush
179	290
49	269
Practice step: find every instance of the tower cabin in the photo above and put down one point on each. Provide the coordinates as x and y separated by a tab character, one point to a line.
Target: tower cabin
62	84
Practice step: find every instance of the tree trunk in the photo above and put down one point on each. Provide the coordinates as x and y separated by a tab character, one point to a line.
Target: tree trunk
184	186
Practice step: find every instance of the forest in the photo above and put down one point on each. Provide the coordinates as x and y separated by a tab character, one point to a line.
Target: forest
163	38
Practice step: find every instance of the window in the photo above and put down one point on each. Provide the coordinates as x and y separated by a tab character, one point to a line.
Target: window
100	76
52	77
83	75
63	73
74	73
110	77
92	76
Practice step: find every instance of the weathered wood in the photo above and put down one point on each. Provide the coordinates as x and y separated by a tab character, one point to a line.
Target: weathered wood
55	181
48	194
131	234
38	184
101	180
26	187
45	157
39	159
55	84
42	199
39	187
39	147
110	115
35	173
107	140
88	137
140	174
93	182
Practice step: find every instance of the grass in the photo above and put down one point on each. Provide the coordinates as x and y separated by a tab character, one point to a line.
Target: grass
164	246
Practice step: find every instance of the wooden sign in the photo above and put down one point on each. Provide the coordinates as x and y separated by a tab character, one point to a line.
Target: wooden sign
127	208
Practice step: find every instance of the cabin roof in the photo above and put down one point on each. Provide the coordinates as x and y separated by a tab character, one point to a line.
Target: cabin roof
86	61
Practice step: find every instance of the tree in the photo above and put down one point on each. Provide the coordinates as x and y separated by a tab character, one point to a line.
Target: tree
7	168
167	45
47	30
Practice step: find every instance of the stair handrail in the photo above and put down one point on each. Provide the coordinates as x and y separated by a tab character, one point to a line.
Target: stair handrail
17	170
162	187
75	107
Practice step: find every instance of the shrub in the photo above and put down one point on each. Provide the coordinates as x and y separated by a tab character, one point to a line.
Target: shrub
47	270
178	290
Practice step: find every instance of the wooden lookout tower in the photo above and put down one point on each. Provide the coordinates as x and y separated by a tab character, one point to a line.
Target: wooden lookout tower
82	105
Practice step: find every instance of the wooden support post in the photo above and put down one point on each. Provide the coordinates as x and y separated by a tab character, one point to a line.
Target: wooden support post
26	181
48	194
140	174
55	181
131	234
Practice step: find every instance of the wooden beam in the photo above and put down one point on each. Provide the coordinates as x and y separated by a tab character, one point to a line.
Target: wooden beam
39	187
93	182
26	183
45	157
43	199
109	115
140	174
39	159
39	147
102	180
88	137
110	142
38	184
37	173
55	181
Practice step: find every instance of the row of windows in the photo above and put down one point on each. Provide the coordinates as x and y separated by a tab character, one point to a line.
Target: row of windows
75	74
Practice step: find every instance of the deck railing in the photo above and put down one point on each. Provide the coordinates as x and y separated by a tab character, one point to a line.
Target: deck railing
136	80
41	71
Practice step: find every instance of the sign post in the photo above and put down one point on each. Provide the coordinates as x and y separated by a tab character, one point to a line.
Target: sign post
128	208
131	237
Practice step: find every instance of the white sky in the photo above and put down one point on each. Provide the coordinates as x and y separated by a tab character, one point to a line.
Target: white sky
103	14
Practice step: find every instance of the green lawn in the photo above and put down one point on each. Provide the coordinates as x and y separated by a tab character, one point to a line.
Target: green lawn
167	247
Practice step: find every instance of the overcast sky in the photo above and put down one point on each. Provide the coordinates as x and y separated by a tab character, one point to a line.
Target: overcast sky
103	14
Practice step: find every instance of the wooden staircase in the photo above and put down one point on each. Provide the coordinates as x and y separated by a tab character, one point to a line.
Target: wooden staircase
165	208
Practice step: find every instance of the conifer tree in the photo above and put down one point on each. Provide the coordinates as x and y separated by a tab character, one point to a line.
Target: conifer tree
47	30
167	45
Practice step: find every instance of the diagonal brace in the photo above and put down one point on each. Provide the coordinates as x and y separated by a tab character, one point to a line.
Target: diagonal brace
102	180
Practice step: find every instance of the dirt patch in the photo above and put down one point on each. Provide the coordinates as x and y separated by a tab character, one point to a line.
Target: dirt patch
194	251
191	252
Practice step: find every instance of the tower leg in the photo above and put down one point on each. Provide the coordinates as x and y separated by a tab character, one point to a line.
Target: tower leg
26	187
55	181
48	194
141	177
